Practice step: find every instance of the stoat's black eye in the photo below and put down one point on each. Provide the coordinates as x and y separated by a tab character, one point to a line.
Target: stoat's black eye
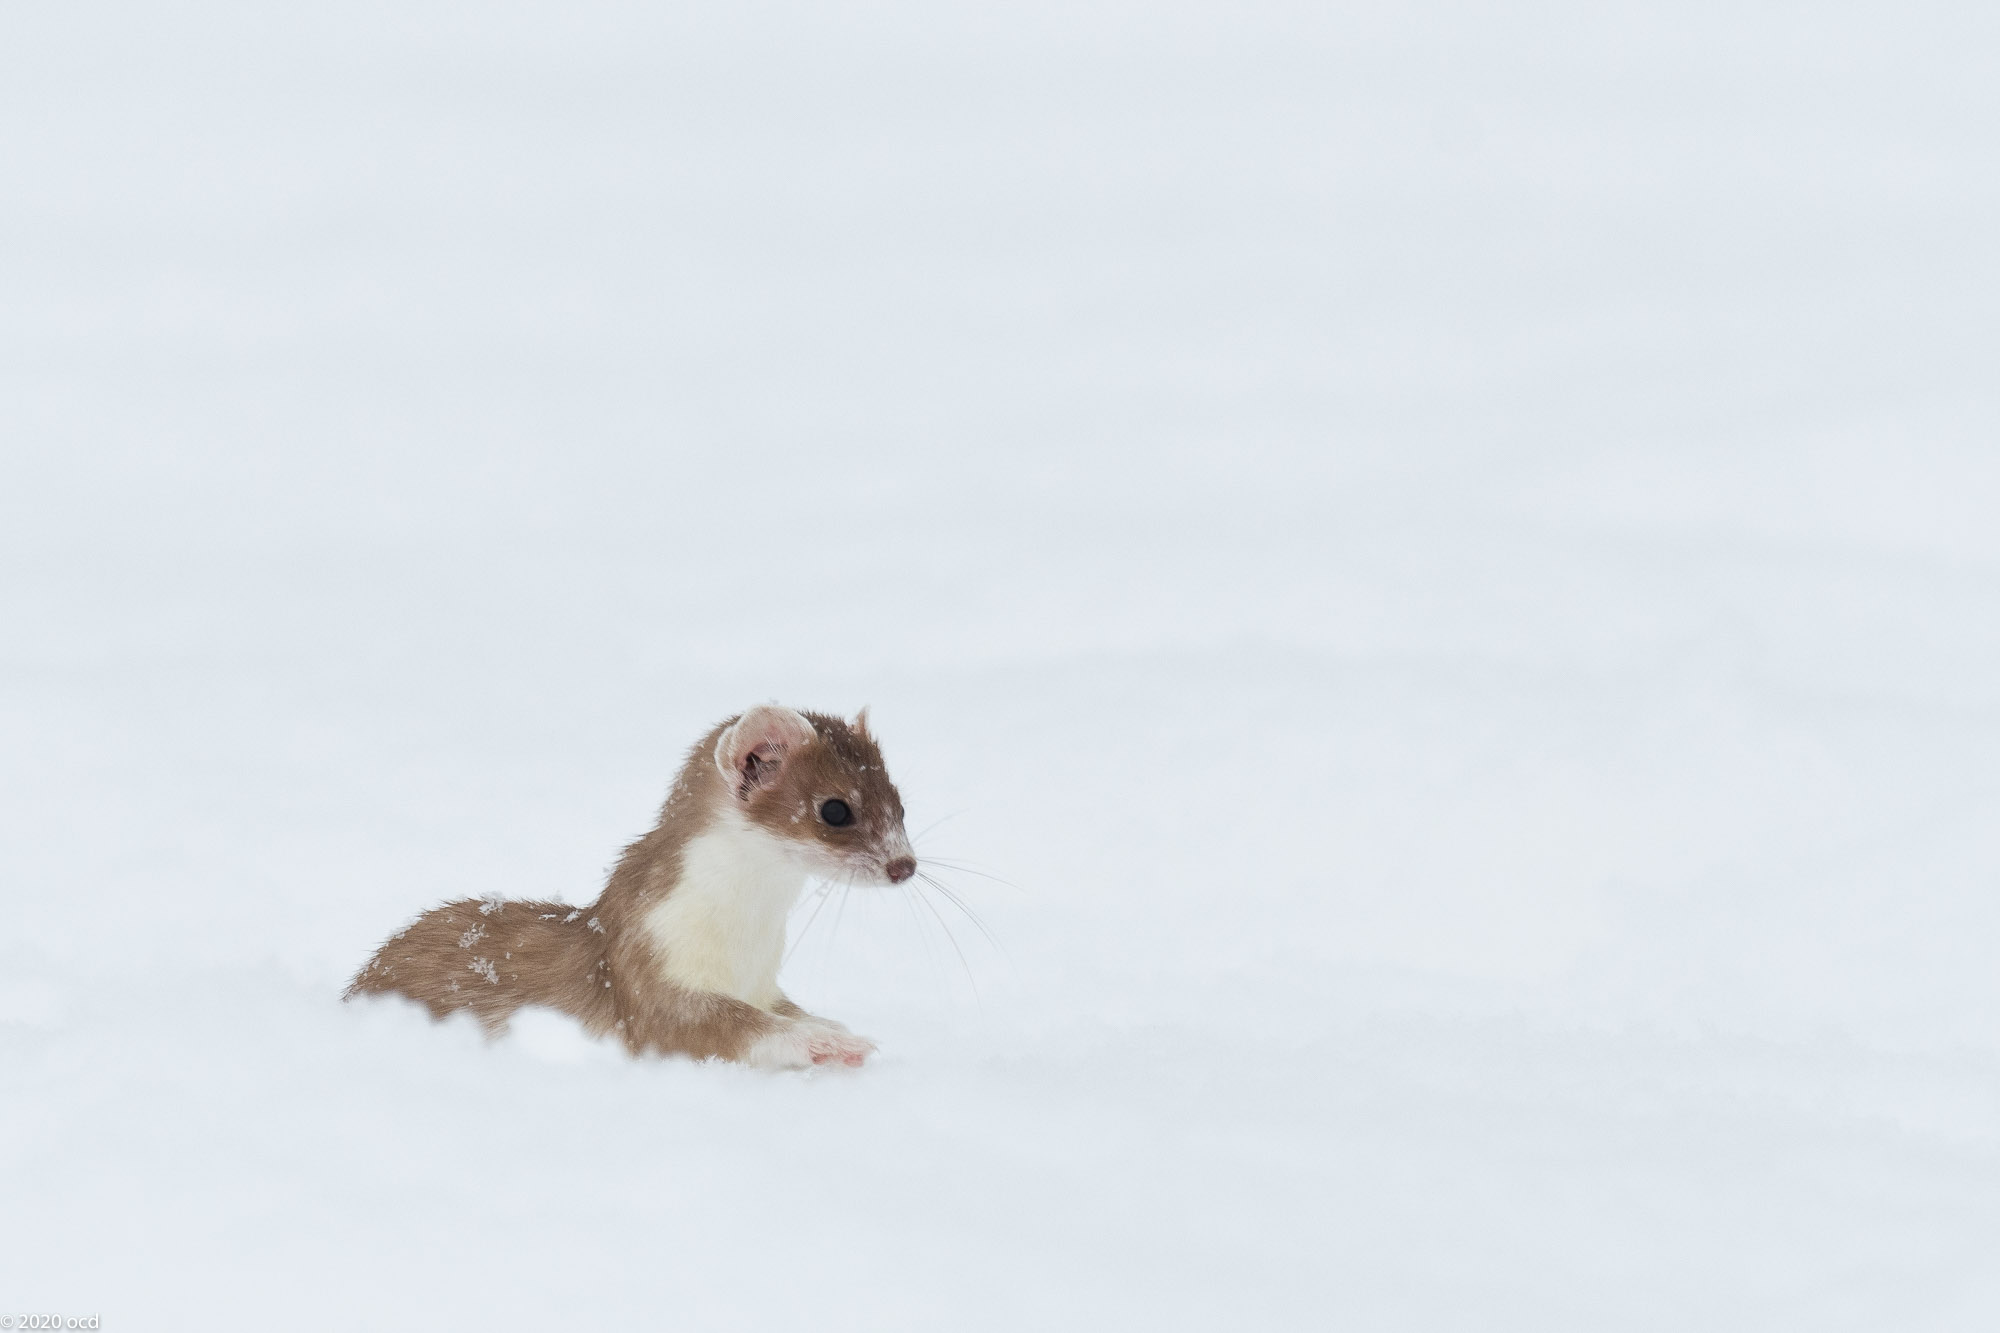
836	813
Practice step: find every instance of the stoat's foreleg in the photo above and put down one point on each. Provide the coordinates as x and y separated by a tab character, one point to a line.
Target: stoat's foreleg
835	1043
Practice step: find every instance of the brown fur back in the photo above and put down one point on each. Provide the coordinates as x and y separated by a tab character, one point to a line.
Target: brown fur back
492	957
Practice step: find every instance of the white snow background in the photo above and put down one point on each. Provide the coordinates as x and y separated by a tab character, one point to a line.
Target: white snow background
1451	552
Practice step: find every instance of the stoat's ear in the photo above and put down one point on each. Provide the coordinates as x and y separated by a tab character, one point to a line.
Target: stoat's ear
861	723
752	749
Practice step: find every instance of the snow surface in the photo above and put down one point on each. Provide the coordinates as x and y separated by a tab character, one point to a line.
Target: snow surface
1449	551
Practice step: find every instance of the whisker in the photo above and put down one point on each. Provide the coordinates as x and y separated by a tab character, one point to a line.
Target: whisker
935	822
923	935
960	904
953	939
959	867
839	912
825	892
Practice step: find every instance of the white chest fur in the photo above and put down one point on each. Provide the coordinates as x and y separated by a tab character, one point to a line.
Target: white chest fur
722	928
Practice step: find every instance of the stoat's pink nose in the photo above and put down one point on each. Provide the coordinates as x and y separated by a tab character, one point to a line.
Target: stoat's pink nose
901	869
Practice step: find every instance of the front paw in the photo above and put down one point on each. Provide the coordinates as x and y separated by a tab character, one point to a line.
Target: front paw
832	1043
803	1043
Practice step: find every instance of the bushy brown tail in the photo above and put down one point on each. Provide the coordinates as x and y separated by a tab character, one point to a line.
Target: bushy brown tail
493	957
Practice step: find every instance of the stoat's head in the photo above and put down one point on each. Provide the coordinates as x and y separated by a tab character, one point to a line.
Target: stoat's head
818	782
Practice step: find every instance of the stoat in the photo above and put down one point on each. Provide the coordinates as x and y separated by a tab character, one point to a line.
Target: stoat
680	952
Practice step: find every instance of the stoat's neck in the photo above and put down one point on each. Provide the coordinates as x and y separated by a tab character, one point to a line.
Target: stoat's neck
722	926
